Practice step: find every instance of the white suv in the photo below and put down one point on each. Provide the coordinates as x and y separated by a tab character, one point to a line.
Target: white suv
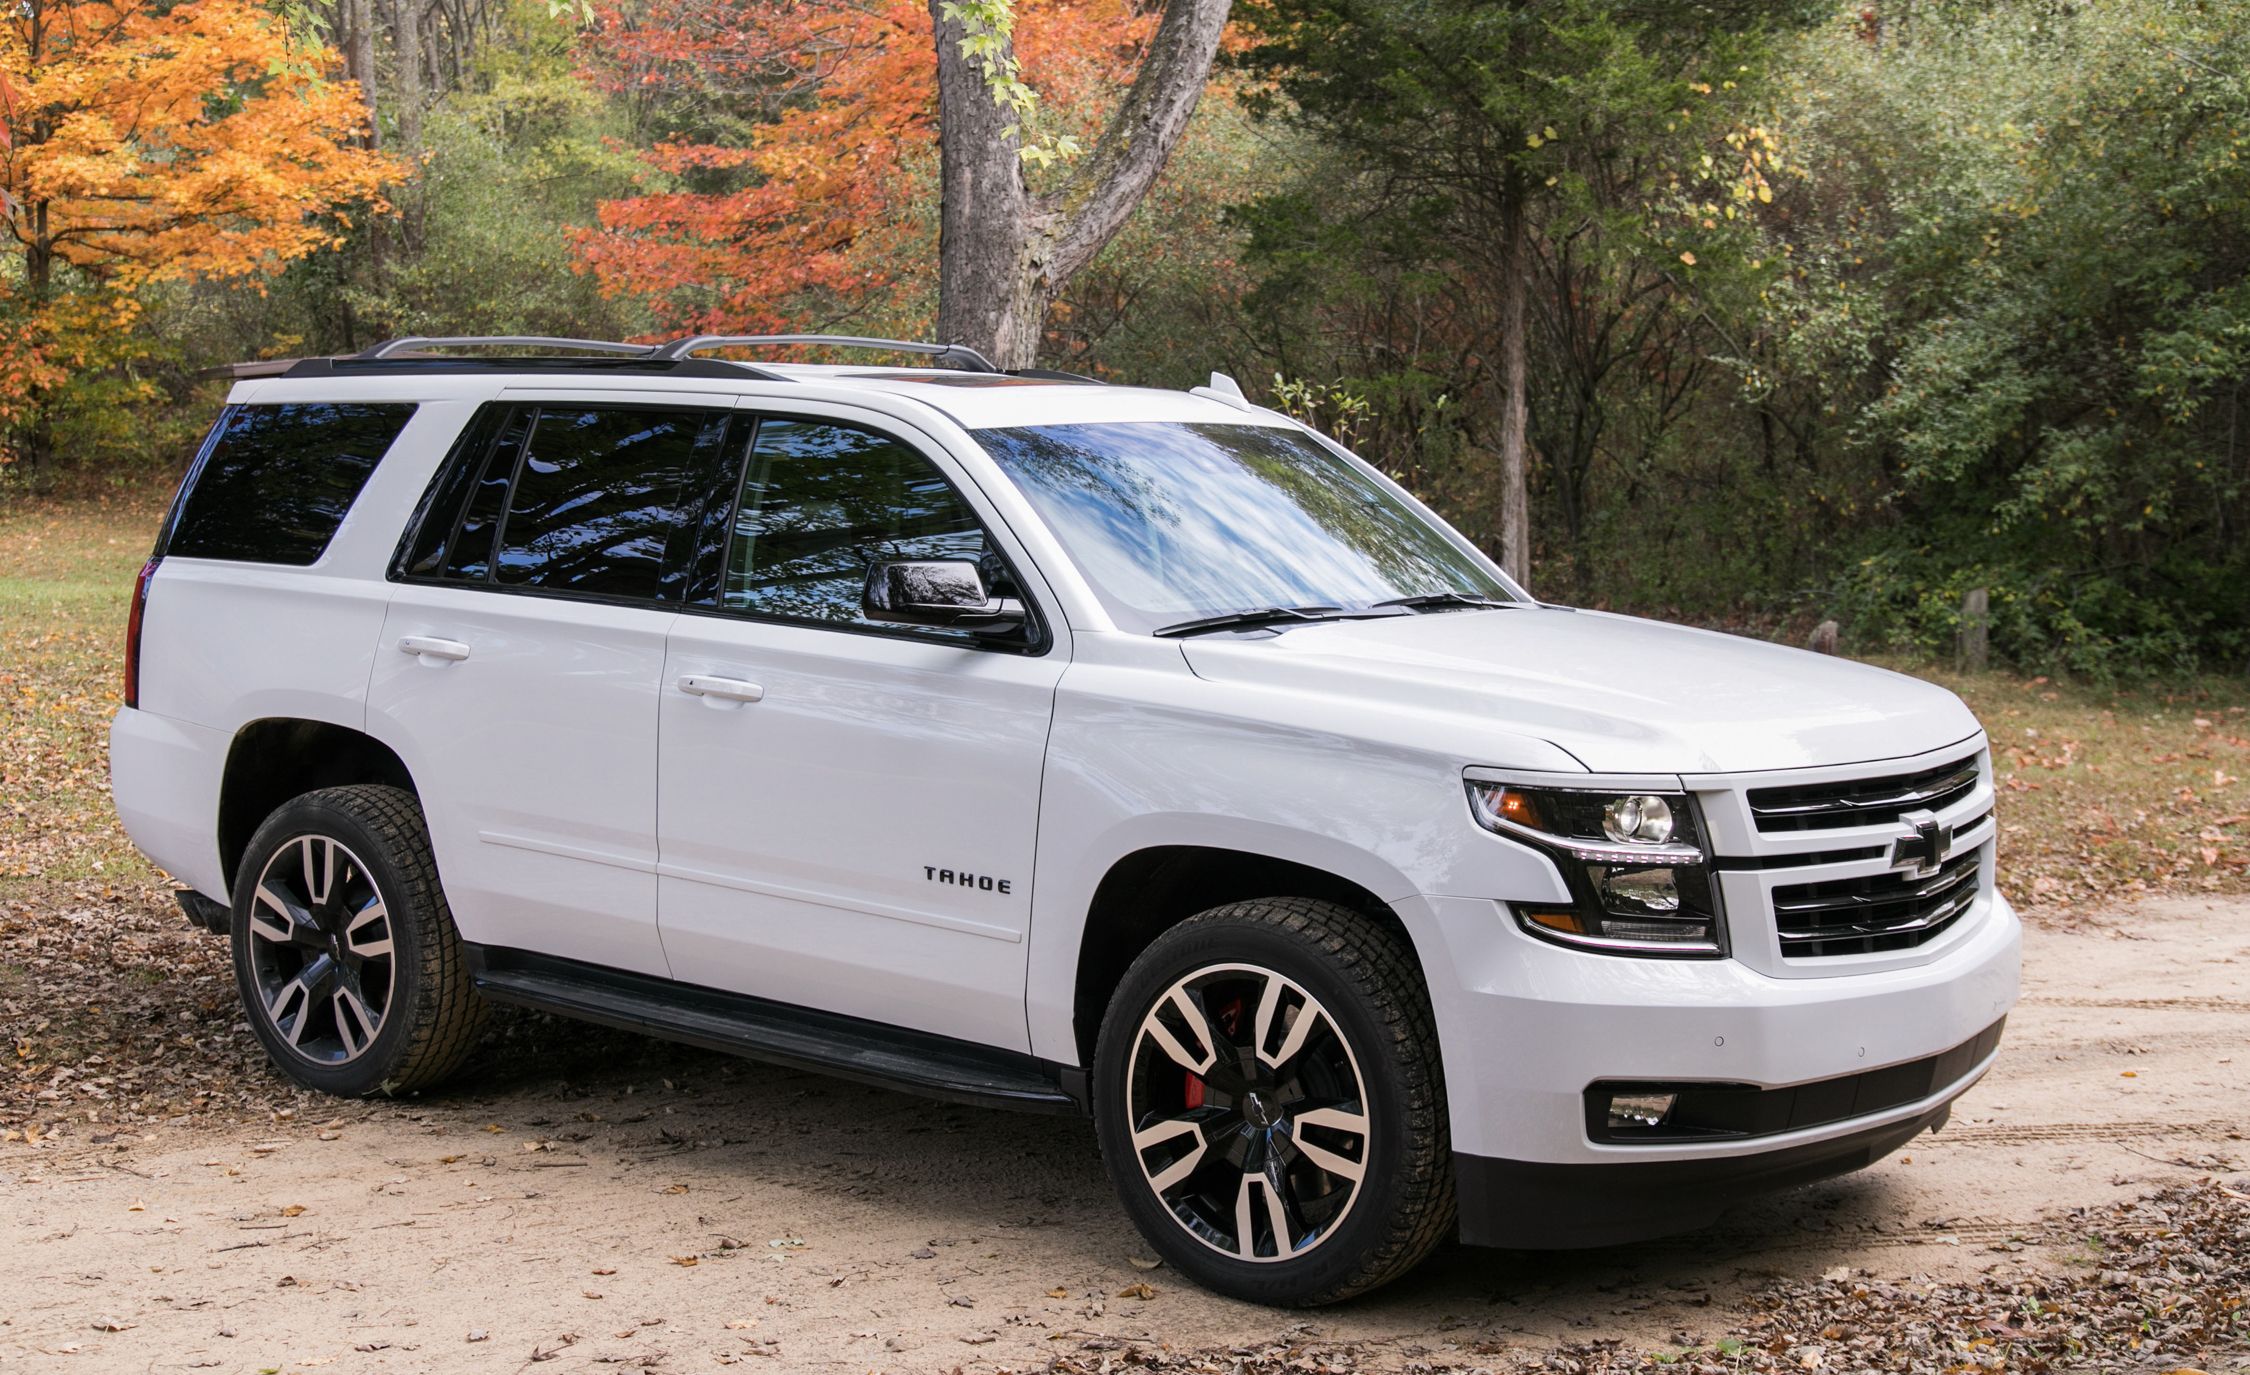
1031	742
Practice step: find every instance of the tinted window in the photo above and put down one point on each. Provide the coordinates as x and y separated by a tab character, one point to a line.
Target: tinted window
276	480
820	503
469	556
598	496
1173	521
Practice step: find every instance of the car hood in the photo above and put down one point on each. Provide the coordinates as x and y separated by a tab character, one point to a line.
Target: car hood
1620	694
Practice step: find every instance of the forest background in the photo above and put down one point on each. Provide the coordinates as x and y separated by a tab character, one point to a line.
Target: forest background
1826	313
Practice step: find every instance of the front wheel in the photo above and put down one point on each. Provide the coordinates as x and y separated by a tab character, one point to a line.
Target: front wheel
1269	1098
344	950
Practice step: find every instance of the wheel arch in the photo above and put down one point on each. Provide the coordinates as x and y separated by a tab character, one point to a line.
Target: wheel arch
276	758
1149	890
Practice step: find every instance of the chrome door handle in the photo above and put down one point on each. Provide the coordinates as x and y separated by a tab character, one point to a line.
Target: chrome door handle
431	647
726	689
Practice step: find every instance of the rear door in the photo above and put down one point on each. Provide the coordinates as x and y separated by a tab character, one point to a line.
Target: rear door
521	658
849	810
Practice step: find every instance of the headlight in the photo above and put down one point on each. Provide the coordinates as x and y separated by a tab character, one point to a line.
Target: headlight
1634	863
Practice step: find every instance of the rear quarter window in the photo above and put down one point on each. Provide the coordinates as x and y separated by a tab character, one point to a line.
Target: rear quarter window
273	482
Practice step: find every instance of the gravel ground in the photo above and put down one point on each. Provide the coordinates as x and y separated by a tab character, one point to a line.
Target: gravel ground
584	1200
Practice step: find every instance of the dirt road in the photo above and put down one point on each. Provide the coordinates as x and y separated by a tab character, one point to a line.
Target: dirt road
684	1211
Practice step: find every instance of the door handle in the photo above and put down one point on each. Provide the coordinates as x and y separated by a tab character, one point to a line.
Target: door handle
430	647
726	689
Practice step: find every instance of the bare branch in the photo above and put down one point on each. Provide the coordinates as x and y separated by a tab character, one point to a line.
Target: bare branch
1140	138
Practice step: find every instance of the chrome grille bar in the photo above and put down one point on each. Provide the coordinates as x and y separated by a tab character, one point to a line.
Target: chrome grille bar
1879	912
1864	802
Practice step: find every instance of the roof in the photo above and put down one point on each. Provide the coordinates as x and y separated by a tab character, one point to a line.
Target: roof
978	401
966	388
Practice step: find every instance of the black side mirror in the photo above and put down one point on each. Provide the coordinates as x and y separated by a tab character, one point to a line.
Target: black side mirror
939	592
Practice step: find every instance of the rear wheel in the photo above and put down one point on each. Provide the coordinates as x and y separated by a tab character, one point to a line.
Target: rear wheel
344	950
1267	1091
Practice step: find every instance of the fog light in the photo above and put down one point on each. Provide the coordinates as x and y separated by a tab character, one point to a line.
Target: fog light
1639	1111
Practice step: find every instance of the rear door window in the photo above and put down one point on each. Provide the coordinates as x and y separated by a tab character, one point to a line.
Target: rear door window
597	501
273	482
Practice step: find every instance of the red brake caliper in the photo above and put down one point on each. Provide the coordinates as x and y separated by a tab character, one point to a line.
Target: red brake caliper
1231	1016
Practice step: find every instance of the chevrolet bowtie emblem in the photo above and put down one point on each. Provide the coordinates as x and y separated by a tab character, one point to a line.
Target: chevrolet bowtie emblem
1927	848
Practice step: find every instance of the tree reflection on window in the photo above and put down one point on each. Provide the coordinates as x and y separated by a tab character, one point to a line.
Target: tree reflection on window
597	497
820	504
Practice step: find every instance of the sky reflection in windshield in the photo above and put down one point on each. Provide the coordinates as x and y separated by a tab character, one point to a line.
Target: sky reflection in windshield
1172	520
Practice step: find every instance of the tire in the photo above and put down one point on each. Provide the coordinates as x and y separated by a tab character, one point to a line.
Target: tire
352	976
1328	1064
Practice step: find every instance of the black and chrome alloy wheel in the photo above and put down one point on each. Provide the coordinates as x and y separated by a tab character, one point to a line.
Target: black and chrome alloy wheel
1269	1098
321	950
350	969
1250	1118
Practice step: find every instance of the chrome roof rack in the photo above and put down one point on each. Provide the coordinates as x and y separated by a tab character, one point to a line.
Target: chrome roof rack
948	355
416	343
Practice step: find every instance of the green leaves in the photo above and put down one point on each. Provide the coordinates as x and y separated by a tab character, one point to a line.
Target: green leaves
988	40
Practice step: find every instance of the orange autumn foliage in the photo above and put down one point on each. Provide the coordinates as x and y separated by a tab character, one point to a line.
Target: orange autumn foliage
822	210
153	141
149	141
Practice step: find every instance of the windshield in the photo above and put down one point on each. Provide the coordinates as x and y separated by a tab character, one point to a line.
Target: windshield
1172	521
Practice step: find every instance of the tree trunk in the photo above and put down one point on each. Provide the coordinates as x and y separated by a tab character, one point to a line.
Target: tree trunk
985	216
406	36
359	58
1003	254
1515	404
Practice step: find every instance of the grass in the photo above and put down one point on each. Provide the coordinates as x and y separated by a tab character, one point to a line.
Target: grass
2110	796
66	580
2103	796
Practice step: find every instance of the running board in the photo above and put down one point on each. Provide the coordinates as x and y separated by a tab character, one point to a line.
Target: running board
779	1033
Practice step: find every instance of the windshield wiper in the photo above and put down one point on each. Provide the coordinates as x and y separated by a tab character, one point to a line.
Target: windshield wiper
1264	615
1430	600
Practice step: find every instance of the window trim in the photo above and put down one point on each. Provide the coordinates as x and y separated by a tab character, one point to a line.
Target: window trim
455	482
708	582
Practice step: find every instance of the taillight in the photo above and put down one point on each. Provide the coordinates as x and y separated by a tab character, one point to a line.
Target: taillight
133	633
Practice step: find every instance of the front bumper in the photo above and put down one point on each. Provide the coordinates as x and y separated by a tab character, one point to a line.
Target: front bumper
1529	1204
1527	1026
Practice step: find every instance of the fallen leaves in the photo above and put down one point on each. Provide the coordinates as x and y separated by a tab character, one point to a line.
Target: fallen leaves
1143	1291
2167	1274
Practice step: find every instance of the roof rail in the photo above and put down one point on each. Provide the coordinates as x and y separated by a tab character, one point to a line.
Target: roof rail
948	355
415	343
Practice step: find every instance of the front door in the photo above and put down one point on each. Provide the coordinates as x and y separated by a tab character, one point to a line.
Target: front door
847	811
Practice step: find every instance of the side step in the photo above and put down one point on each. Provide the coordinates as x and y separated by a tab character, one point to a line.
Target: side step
780	1033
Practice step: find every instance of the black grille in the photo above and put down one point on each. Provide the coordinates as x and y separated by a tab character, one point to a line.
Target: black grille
1863	801
1863	916
1739	1110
